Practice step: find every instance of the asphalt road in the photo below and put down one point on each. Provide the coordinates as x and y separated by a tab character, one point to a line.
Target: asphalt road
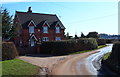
93	62
83	64
88	63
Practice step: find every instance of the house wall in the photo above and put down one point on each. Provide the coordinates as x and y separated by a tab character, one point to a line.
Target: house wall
39	34
23	34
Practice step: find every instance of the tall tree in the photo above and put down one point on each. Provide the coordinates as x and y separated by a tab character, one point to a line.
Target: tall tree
7	24
82	35
76	37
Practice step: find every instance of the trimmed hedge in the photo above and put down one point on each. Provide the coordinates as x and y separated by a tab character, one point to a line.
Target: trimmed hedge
68	46
113	60
101	41
109	41
9	51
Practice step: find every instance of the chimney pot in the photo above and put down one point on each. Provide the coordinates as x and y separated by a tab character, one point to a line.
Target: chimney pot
29	10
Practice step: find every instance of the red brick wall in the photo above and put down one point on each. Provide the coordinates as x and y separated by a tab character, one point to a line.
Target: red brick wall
39	34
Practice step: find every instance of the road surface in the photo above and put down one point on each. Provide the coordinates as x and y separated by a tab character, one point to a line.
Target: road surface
78	64
82	64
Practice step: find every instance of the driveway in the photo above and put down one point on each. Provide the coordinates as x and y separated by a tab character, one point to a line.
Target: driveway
62	65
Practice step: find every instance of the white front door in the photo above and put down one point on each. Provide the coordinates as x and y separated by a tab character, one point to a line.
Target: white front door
32	43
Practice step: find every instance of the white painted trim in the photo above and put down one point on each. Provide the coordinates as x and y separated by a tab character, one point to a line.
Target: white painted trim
46	23
57	24
34	37
31	22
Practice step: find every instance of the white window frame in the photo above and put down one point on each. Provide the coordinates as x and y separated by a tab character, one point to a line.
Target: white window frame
45	39
31	29
45	29
57	29
57	38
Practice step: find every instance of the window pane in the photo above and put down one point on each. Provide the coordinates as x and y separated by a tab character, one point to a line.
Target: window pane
45	29
45	39
57	30
57	38
31	29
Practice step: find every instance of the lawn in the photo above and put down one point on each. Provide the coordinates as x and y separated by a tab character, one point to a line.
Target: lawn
101	46
18	67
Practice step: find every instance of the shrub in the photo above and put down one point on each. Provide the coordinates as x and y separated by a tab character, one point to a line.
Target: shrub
113	60
109	41
101	41
68	46
9	51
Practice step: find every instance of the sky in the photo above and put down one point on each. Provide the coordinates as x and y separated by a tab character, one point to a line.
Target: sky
77	17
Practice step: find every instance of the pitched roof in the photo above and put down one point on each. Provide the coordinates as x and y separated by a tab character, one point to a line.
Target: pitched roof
33	36
38	19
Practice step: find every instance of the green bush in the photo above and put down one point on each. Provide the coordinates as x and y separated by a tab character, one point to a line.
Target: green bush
101	41
9	51
109	41
68	46
113	60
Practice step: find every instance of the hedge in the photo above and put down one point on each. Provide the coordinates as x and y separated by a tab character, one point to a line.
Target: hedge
101	41
114	60
9	51
109	41
68	46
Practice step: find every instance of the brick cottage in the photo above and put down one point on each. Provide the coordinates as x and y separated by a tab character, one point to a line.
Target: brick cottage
34	28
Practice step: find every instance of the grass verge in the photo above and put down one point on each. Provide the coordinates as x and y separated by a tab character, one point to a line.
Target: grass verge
101	46
105	57
18	67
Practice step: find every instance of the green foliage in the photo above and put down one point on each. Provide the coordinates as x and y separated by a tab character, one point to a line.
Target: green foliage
9	51
76	37
105	57
101	46
101	41
113	61
92	35
18	67
7	24
82	35
68	46
109	41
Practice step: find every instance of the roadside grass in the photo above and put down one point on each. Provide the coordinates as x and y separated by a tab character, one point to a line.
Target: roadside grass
105	57
101	46
18	67
0	69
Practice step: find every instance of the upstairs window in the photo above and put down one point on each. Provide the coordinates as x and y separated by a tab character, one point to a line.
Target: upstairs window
57	29
31	29
45	29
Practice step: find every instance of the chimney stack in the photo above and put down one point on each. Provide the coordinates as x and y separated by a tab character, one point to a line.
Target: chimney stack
29	10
